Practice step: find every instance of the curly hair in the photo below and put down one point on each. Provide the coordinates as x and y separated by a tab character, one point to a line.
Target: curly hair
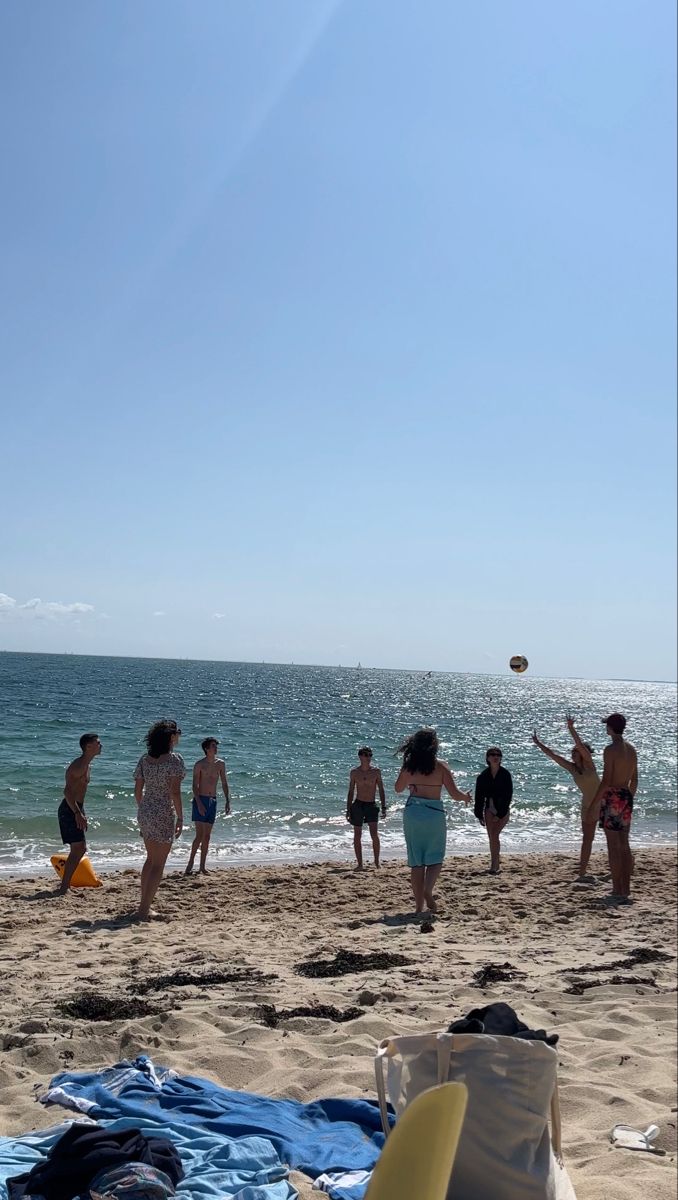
159	738
419	752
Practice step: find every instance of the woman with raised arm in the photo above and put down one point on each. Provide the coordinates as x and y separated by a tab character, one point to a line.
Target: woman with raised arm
583	771
424	822
157	791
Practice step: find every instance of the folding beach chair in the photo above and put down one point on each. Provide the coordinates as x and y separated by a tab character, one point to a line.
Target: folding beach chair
418	1157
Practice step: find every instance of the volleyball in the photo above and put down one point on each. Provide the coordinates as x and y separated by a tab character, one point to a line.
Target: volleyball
518	663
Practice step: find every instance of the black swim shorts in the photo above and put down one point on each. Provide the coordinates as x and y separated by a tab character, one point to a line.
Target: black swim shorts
364	814
67	826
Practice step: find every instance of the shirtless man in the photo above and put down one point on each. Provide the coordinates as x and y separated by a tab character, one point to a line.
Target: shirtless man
206	775
615	795
72	819
361	804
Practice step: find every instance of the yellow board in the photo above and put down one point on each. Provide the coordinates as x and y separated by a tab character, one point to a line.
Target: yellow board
84	872
519	663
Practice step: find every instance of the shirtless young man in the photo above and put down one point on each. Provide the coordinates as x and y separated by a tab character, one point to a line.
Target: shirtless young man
207	773
615	795
72	819
361	804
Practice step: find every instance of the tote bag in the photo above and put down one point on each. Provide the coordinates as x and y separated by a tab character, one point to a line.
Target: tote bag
505	1151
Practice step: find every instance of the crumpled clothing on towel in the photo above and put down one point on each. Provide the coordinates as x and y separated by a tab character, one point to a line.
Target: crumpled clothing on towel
133	1181
500	1019
83	1152
343	1185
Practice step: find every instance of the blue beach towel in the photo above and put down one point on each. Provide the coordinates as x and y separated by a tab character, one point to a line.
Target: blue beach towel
323	1137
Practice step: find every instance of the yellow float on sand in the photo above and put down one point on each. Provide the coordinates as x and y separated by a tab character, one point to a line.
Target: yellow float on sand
84	872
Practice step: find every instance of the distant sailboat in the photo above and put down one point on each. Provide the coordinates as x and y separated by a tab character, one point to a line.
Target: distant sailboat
359	668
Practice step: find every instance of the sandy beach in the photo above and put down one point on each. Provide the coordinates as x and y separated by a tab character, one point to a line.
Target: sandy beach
601	977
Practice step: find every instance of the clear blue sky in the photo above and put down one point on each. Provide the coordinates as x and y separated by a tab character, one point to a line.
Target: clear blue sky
340	331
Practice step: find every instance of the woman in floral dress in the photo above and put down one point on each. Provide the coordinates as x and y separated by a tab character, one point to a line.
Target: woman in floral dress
157	791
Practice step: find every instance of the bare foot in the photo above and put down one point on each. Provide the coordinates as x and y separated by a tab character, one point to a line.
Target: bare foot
203	871
431	904
149	916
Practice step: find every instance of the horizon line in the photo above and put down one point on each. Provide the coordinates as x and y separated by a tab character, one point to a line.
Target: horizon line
241	662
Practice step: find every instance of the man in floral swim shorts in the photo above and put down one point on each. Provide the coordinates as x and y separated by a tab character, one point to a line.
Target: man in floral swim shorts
615	794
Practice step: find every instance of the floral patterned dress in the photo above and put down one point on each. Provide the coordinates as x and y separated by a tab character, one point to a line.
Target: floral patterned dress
155	813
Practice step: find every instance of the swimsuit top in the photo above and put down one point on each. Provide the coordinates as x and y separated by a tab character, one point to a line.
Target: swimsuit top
433	784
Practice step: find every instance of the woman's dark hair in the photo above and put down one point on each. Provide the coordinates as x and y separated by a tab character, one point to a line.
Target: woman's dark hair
419	752
159	738
492	750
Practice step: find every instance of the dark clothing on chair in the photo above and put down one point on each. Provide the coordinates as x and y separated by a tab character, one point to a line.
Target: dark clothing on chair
496	788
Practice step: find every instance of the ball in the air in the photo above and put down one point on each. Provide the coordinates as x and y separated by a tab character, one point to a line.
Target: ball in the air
518	663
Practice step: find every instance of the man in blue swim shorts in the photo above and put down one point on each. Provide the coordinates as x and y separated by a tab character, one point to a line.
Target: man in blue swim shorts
208	772
361	806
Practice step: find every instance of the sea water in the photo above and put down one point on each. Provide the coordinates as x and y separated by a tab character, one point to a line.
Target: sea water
289	735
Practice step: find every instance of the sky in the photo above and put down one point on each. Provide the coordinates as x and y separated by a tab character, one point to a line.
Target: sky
340	330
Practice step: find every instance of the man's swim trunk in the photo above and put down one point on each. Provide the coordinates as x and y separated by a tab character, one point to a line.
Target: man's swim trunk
67	827
209	804
616	809
364	814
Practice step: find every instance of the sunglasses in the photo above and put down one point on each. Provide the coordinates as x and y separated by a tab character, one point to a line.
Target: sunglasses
494	756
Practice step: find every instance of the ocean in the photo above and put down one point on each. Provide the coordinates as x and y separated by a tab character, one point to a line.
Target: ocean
289	735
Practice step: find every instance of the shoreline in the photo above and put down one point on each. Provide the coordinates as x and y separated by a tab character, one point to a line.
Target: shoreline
240	862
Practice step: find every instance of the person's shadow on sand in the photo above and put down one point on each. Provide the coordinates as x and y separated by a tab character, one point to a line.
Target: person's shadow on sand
124	921
43	894
396	920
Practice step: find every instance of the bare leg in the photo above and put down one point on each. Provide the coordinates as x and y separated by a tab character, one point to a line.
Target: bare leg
613	855
195	846
417	876
430	879
625	865
358	844
494	827
491	836
204	846
76	852
152	872
376	844
588	833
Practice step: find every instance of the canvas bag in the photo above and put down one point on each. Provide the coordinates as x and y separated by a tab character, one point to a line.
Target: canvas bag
505	1151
